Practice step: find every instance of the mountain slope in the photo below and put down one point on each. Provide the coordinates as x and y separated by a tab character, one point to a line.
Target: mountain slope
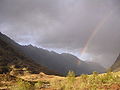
61	63
116	65
10	55
28	56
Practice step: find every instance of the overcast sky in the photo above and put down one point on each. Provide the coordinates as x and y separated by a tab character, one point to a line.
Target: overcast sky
65	26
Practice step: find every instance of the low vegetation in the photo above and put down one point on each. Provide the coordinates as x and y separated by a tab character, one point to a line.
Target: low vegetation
95	81
23	85
107	81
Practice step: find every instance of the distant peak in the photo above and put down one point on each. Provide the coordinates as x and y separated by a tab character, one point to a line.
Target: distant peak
1	33
30	45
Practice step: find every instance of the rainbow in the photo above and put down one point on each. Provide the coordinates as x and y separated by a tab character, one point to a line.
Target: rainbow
95	31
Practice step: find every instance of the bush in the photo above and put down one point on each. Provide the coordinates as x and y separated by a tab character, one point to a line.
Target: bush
84	78
39	84
95	73
69	85
58	84
23	85
71	77
4	69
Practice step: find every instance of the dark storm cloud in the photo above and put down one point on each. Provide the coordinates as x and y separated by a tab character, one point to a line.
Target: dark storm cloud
64	24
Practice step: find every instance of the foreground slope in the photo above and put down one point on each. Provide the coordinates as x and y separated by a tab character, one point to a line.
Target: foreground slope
95	81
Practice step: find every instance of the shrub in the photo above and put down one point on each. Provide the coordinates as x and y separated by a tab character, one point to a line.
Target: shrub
70	80
39	84
23	85
95	73
58	84
84	78
4	69
8	77
71	76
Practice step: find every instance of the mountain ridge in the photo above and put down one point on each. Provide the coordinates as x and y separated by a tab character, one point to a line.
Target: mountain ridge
10	55
60	63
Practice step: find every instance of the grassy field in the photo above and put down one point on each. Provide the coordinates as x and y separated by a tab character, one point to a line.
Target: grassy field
95	81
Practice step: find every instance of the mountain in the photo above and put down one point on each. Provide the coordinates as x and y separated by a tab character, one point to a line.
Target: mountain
60	63
11	55
116	65
41	60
